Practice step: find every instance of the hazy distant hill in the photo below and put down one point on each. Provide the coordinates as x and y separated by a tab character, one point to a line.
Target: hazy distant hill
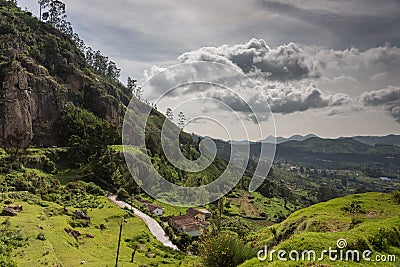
277	140
280	140
378	140
337	146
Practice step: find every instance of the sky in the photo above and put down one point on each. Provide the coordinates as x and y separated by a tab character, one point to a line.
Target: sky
328	67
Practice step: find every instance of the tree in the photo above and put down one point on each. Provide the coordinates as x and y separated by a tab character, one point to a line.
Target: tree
131	84
112	71
55	15
325	193
181	120
169	114
42	4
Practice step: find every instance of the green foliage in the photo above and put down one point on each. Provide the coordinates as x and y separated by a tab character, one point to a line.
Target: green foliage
122	194
225	250
326	192
385	238
85	134
49	166
7	262
183	241
353	208
41	236
396	196
10	239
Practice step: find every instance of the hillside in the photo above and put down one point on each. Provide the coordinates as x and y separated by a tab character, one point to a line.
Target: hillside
379	140
366	221
42	228
343	153
60	135
52	96
337	146
41	70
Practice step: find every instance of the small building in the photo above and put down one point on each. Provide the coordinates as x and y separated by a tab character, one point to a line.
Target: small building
196	214
199	214
155	209
188	224
385	179
206	213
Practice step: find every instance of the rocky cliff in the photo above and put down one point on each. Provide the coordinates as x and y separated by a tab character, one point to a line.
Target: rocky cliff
41	70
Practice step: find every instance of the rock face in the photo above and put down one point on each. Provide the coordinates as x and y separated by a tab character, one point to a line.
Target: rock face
41	70
30	106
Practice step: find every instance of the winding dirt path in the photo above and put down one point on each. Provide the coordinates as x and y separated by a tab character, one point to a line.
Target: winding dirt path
156	229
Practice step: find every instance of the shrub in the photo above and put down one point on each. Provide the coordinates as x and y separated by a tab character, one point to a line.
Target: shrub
354	222
94	189
41	236
396	196
122	194
49	166
7	262
225	250
385	238
353	208
183	241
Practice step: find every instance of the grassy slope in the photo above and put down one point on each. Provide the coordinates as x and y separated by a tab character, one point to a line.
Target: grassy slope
60	248
323	224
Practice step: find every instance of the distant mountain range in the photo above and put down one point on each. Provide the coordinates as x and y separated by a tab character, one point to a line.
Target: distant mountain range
279	140
276	140
392	139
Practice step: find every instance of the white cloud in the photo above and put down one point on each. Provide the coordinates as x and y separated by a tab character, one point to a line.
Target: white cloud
388	97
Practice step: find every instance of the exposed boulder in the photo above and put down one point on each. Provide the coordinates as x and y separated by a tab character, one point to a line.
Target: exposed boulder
7	211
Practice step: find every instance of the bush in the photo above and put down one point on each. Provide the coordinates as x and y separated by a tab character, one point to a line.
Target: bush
396	196
225	250
354	222
122	194
49	166
94	189
183	241
385	238
7	262
41	236
353	208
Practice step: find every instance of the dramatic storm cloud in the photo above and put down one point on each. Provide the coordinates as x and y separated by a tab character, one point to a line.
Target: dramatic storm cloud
389	98
284	98
286	62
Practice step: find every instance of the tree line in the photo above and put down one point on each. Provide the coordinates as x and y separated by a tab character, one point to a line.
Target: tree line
54	13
